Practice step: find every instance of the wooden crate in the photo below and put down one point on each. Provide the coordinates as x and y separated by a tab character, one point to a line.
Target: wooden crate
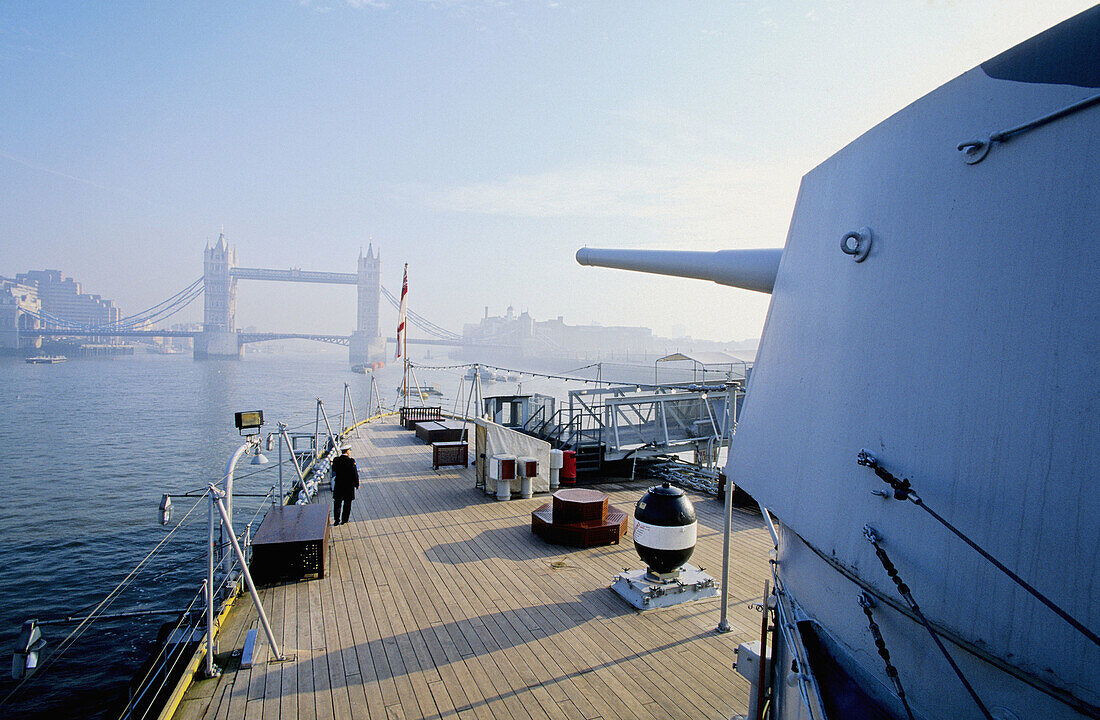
291	544
450	453
440	431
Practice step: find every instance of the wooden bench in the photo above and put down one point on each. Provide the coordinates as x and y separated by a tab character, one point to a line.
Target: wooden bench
410	416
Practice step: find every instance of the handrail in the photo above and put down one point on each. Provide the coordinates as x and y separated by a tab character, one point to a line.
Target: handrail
536	414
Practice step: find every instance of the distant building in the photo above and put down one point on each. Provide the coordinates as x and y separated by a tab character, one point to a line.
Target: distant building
553	338
61	297
19	308
526	337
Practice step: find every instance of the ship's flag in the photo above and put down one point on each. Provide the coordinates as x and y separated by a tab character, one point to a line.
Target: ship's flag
401	313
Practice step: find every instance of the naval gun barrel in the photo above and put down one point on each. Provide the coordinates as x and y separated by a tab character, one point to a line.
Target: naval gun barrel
746	269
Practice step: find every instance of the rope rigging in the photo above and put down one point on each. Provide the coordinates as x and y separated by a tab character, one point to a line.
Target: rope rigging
98	611
180	653
102	606
903	490
169	655
567	378
977	651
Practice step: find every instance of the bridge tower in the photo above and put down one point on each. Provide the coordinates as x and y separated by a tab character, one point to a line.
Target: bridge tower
218	338
367	344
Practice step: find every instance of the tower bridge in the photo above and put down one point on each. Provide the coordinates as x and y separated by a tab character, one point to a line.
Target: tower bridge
24	319
219	337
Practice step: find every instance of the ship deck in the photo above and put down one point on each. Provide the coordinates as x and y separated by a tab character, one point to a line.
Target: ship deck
439	602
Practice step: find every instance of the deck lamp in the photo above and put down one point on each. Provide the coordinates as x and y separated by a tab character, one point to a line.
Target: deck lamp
258	457
249	420
24	660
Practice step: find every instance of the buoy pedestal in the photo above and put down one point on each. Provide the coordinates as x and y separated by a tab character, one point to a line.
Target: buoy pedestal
644	591
665	530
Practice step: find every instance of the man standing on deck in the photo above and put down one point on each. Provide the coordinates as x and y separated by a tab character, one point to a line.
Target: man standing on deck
345	479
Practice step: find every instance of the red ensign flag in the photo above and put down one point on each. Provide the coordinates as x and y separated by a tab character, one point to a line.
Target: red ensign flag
401	313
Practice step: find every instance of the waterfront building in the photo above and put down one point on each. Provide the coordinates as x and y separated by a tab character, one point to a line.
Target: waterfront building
555	340
19	308
62	297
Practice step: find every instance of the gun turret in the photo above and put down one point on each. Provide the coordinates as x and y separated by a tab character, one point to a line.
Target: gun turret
747	269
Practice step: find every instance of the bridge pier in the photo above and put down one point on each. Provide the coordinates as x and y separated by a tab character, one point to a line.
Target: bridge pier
218	338
218	345
365	349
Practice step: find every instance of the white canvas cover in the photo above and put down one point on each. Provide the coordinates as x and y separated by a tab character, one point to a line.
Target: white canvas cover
500	440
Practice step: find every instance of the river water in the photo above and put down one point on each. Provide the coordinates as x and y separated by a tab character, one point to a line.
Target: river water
89	446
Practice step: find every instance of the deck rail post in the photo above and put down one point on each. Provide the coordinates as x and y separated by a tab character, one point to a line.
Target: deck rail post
723	621
281	429
293	456
344	409
217	501
317	431
328	427
208	588
351	406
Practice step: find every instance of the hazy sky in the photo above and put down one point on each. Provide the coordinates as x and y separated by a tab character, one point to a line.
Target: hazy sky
482	142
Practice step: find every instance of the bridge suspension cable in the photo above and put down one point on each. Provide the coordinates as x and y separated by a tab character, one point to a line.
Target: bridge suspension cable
165	308
161	311
420	321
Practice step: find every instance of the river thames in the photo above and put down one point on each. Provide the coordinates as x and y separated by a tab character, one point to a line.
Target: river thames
89	448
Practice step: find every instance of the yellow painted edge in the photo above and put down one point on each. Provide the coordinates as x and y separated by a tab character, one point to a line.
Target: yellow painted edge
200	654
193	667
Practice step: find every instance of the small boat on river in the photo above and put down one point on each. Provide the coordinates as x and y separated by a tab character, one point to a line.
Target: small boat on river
45	359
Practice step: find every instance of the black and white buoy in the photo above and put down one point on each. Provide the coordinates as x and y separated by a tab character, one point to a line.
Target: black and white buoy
665	531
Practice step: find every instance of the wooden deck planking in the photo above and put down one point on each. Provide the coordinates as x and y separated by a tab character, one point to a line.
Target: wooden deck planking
490	630
546	703
440	603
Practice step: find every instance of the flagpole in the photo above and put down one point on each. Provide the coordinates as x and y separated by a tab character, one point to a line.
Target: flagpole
402	337
405	331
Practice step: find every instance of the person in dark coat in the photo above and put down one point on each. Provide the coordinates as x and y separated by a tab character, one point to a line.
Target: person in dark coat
345	480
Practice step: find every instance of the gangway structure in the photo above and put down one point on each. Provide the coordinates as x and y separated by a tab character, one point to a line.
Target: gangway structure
615	423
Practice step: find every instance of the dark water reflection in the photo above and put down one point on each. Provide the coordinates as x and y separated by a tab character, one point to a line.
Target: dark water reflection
88	448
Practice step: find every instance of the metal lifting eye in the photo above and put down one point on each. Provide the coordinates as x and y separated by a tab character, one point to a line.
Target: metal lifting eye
974	151
857	244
